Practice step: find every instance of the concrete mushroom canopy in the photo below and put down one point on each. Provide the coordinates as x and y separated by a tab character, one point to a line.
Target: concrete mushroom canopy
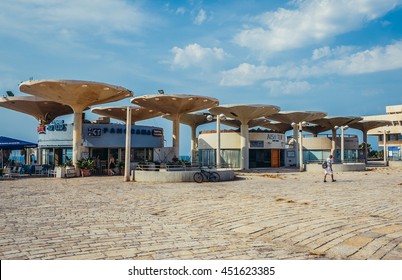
44	111
193	120
332	122
244	114
78	95
365	126
120	113
296	116
175	105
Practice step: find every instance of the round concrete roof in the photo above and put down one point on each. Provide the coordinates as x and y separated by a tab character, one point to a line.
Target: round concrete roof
245	113
77	94
296	116
331	122
191	119
41	109
175	104
120	113
367	125
277	126
316	129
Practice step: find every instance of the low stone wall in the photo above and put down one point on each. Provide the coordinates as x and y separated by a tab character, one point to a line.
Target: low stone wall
176	176
314	167
392	163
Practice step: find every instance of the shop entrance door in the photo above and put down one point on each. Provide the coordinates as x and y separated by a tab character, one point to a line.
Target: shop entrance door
259	158
275	160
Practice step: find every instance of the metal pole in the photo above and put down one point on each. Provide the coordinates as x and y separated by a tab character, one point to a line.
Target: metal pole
365	146
128	146
301	147
218	142
296	144
342	144
385	148
77	139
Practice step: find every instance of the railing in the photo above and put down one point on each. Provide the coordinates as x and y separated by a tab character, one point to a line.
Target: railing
178	167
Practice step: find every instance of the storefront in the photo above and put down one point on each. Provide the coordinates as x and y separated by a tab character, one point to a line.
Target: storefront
103	140
266	149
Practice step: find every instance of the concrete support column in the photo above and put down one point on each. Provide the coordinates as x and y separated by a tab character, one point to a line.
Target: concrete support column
333	142
193	143
342	144
77	139
296	144
385	148
218	142
128	146
365	151
176	135
244	164
39	156
301	163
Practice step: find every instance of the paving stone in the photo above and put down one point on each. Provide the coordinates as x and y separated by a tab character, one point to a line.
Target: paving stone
255	218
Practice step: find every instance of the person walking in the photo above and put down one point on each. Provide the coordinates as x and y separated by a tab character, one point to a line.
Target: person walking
329	170
112	166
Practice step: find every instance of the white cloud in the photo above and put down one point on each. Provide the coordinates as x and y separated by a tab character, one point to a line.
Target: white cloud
196	55
181	11
310	22
369	61
201	17
279	88
327	52
325	61
244	75
41	18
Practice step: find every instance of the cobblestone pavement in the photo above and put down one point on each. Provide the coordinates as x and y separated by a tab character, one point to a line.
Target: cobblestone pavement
265	215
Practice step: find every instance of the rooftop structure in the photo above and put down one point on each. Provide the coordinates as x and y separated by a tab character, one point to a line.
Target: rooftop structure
120	113
78	95
244	114
175	105
41	109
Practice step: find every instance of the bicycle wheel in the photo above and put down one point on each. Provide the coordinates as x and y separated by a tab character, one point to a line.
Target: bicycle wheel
214	177
198	177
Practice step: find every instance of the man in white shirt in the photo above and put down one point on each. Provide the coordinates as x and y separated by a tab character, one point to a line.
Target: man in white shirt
329	170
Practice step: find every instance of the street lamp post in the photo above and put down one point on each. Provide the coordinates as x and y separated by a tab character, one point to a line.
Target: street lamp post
385	132
343	128
219	118
128	146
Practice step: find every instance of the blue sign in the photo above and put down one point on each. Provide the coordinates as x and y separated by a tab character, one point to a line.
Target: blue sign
58	125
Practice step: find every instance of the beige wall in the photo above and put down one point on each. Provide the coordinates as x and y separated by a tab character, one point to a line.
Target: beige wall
325	143
231	140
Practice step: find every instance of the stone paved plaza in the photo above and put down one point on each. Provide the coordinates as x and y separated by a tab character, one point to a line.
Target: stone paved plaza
261	215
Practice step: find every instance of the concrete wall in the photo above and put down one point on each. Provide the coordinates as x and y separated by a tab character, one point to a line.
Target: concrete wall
395	163
231	140
314	167
325	143
176	176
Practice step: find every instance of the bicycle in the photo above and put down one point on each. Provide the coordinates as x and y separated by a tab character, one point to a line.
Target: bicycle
204	175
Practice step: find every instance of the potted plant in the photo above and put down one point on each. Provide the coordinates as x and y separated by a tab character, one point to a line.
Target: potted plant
66	169
86	165
121	167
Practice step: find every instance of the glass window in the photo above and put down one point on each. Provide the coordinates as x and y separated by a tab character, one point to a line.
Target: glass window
231	157
207	157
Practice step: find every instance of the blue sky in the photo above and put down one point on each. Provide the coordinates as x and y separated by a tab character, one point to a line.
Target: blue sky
341	57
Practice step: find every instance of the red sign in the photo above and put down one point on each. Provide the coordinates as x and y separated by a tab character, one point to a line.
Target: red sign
41	129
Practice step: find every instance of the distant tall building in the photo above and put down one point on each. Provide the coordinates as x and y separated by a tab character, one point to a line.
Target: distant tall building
392	133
